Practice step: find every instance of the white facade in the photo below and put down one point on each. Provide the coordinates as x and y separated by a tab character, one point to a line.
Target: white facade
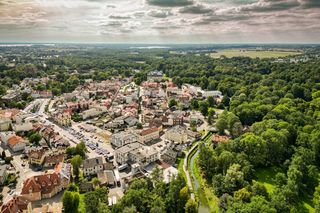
123	138
5	124
23	127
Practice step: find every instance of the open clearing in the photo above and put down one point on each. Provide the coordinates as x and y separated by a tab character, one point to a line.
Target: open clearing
229	53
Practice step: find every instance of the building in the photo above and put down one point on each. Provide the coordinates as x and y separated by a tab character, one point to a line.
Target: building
123	138
177	134
5	124
4	136
15	205
45	158
22	127
107	178
155	75
93	112
3	174
42	186
122	154
148	135
93	165
144	156
17	143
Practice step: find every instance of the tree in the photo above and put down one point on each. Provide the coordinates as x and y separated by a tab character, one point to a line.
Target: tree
76	162
94	198
3	155
70	201
172	103
222	123
191	206
211	113
204	108
35	138
211	101
103	208
95	181
183	198
194	104
139	126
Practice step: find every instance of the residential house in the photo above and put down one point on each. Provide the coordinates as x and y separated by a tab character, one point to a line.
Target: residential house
45	158
107	178
17	143
93	165
177	134
17	204
42	186
123	138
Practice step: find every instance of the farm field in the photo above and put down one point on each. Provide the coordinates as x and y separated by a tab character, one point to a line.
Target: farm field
229	53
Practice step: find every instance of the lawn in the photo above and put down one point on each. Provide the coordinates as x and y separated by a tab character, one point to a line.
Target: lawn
266	176
229	53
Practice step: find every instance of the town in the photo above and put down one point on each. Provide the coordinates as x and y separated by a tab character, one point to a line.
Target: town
105	133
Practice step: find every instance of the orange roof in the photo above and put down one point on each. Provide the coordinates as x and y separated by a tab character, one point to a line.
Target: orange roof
219	138
14	140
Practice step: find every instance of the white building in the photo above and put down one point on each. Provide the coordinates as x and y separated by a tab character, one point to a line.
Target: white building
22	127
144	155
177	134
123	138
122	154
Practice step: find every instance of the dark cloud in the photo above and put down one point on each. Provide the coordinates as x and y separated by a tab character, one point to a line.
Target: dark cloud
159	13
271	6
195	9
170	3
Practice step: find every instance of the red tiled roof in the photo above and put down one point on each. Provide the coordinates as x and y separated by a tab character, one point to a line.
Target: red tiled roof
148	131
44	183
14	140
15	205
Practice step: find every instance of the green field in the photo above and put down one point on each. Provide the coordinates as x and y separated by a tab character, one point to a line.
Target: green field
229	53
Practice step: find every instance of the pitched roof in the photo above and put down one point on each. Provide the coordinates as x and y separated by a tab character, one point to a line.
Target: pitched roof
93	162
44	183
14	140
148	131
15	205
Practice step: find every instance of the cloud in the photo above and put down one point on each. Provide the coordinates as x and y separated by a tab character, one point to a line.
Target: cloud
195	9
170	3
271	6
119	17
160	13
307	4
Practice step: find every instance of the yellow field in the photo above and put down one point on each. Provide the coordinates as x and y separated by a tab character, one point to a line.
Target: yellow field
229	53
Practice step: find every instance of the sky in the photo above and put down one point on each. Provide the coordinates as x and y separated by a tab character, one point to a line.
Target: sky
160	21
